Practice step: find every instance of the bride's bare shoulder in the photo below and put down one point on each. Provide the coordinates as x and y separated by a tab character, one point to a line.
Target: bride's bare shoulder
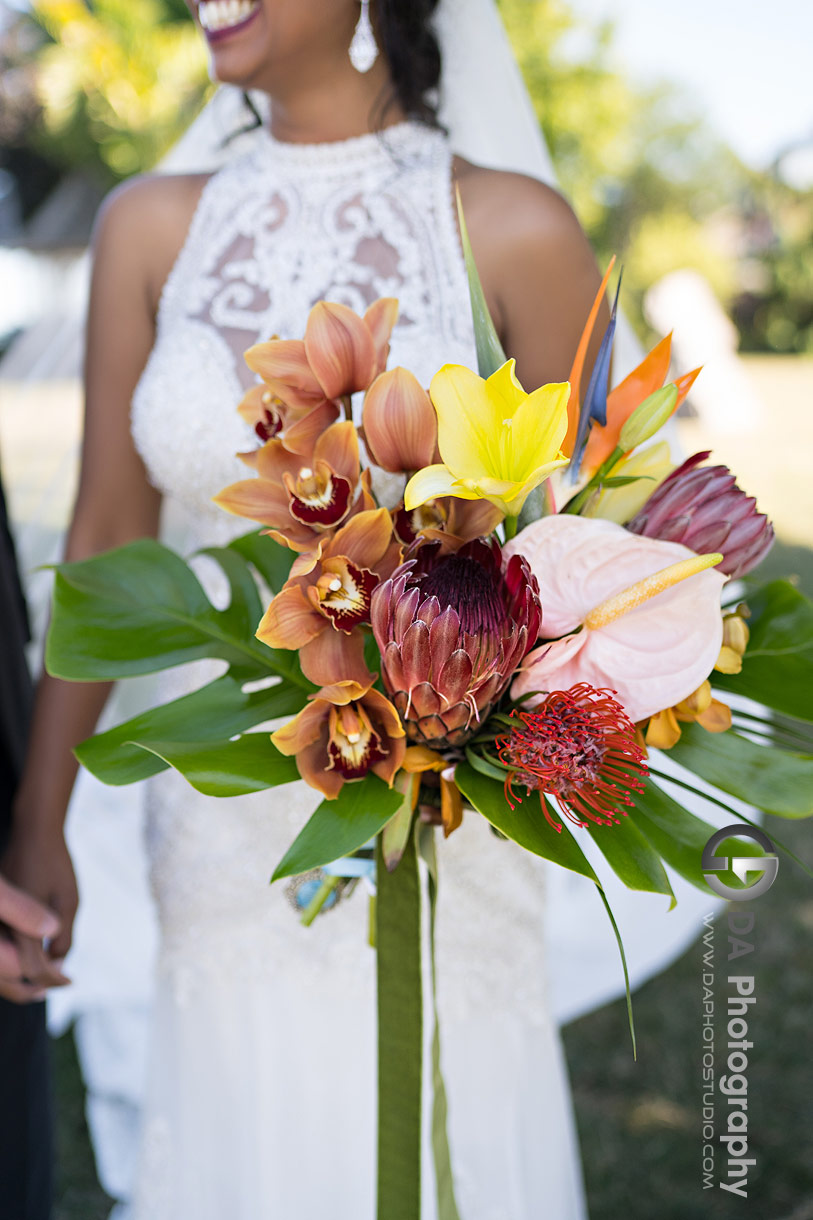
509	209
143	223
538	271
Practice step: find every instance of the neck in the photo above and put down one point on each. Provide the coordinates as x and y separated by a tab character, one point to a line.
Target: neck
339	108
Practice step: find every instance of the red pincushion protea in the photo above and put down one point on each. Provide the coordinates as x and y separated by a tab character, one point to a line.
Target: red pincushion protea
578	745
452	629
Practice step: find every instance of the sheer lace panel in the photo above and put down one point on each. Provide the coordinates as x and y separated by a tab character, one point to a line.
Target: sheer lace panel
274	232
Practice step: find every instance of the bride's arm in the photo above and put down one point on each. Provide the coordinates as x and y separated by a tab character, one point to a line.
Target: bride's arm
539	274
115	504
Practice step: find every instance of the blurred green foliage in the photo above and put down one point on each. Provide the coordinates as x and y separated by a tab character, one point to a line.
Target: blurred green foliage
642	176
774	308
119	80
651	183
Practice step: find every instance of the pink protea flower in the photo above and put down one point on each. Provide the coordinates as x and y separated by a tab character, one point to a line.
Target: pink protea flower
703	508
580	746
452	628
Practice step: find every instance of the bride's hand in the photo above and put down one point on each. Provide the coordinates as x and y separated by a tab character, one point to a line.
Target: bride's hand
38	863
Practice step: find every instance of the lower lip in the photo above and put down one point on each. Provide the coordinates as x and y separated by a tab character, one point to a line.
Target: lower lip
214	36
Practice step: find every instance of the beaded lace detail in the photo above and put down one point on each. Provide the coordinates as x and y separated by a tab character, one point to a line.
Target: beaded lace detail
275	231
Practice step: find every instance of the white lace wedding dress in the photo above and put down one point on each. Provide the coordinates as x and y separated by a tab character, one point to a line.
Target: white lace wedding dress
261	1097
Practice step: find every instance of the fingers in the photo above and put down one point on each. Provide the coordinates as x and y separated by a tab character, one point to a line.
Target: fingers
12	984
23	913
20	993
37	968
61	942
10	968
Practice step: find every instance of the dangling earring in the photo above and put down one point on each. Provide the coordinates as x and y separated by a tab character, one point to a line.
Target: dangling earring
363	46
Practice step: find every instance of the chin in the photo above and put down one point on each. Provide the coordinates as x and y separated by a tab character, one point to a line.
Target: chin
236	34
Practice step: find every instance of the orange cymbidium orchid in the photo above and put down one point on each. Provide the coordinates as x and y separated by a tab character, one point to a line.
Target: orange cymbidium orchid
301	496
399	422
298	428
346	730
263	411
320	608
340	354
447	520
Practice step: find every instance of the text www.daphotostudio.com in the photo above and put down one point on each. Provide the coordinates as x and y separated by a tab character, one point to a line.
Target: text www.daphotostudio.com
729	1115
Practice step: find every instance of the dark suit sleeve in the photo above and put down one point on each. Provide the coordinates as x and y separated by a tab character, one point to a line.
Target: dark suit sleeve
15	682
25	1085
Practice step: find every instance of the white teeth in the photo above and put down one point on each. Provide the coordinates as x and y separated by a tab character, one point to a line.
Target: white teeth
222	14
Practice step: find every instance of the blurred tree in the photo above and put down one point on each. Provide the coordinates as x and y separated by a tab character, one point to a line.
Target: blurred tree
32	175
774	307
642	177
118	81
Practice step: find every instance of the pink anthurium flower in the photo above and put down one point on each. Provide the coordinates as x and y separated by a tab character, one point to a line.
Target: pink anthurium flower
644	621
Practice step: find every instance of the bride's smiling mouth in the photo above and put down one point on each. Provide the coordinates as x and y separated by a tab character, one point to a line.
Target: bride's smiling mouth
220	19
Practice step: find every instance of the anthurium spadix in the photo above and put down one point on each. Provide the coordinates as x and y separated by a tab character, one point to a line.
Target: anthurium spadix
497	442
644	622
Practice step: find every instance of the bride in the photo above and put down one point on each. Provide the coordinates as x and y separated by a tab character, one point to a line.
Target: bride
261	1099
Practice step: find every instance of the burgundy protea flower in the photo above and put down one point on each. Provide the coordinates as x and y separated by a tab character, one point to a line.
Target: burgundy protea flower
452	628
580	746
702	507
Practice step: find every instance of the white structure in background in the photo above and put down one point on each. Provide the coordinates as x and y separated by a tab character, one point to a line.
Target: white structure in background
43	296
723	396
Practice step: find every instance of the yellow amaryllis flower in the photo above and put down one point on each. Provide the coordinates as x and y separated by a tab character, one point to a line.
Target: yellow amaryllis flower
497	442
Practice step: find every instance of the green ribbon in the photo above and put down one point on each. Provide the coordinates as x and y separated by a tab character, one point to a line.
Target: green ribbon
444	1181
400	1035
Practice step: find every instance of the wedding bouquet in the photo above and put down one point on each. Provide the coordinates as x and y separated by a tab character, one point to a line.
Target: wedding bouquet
478	603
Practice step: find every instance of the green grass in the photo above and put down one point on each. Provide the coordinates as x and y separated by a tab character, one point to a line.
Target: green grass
639	1122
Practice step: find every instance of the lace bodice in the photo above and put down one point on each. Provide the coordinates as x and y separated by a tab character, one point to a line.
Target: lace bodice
275	231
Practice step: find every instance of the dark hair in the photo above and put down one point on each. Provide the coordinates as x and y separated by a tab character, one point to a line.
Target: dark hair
406	35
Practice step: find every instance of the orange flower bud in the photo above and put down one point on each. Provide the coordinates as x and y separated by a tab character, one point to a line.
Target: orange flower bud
400	425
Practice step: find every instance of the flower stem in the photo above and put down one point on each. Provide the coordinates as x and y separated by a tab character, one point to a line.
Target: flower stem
510	527
318	901
580	499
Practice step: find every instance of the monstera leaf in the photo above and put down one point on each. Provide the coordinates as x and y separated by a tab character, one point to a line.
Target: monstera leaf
140	608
